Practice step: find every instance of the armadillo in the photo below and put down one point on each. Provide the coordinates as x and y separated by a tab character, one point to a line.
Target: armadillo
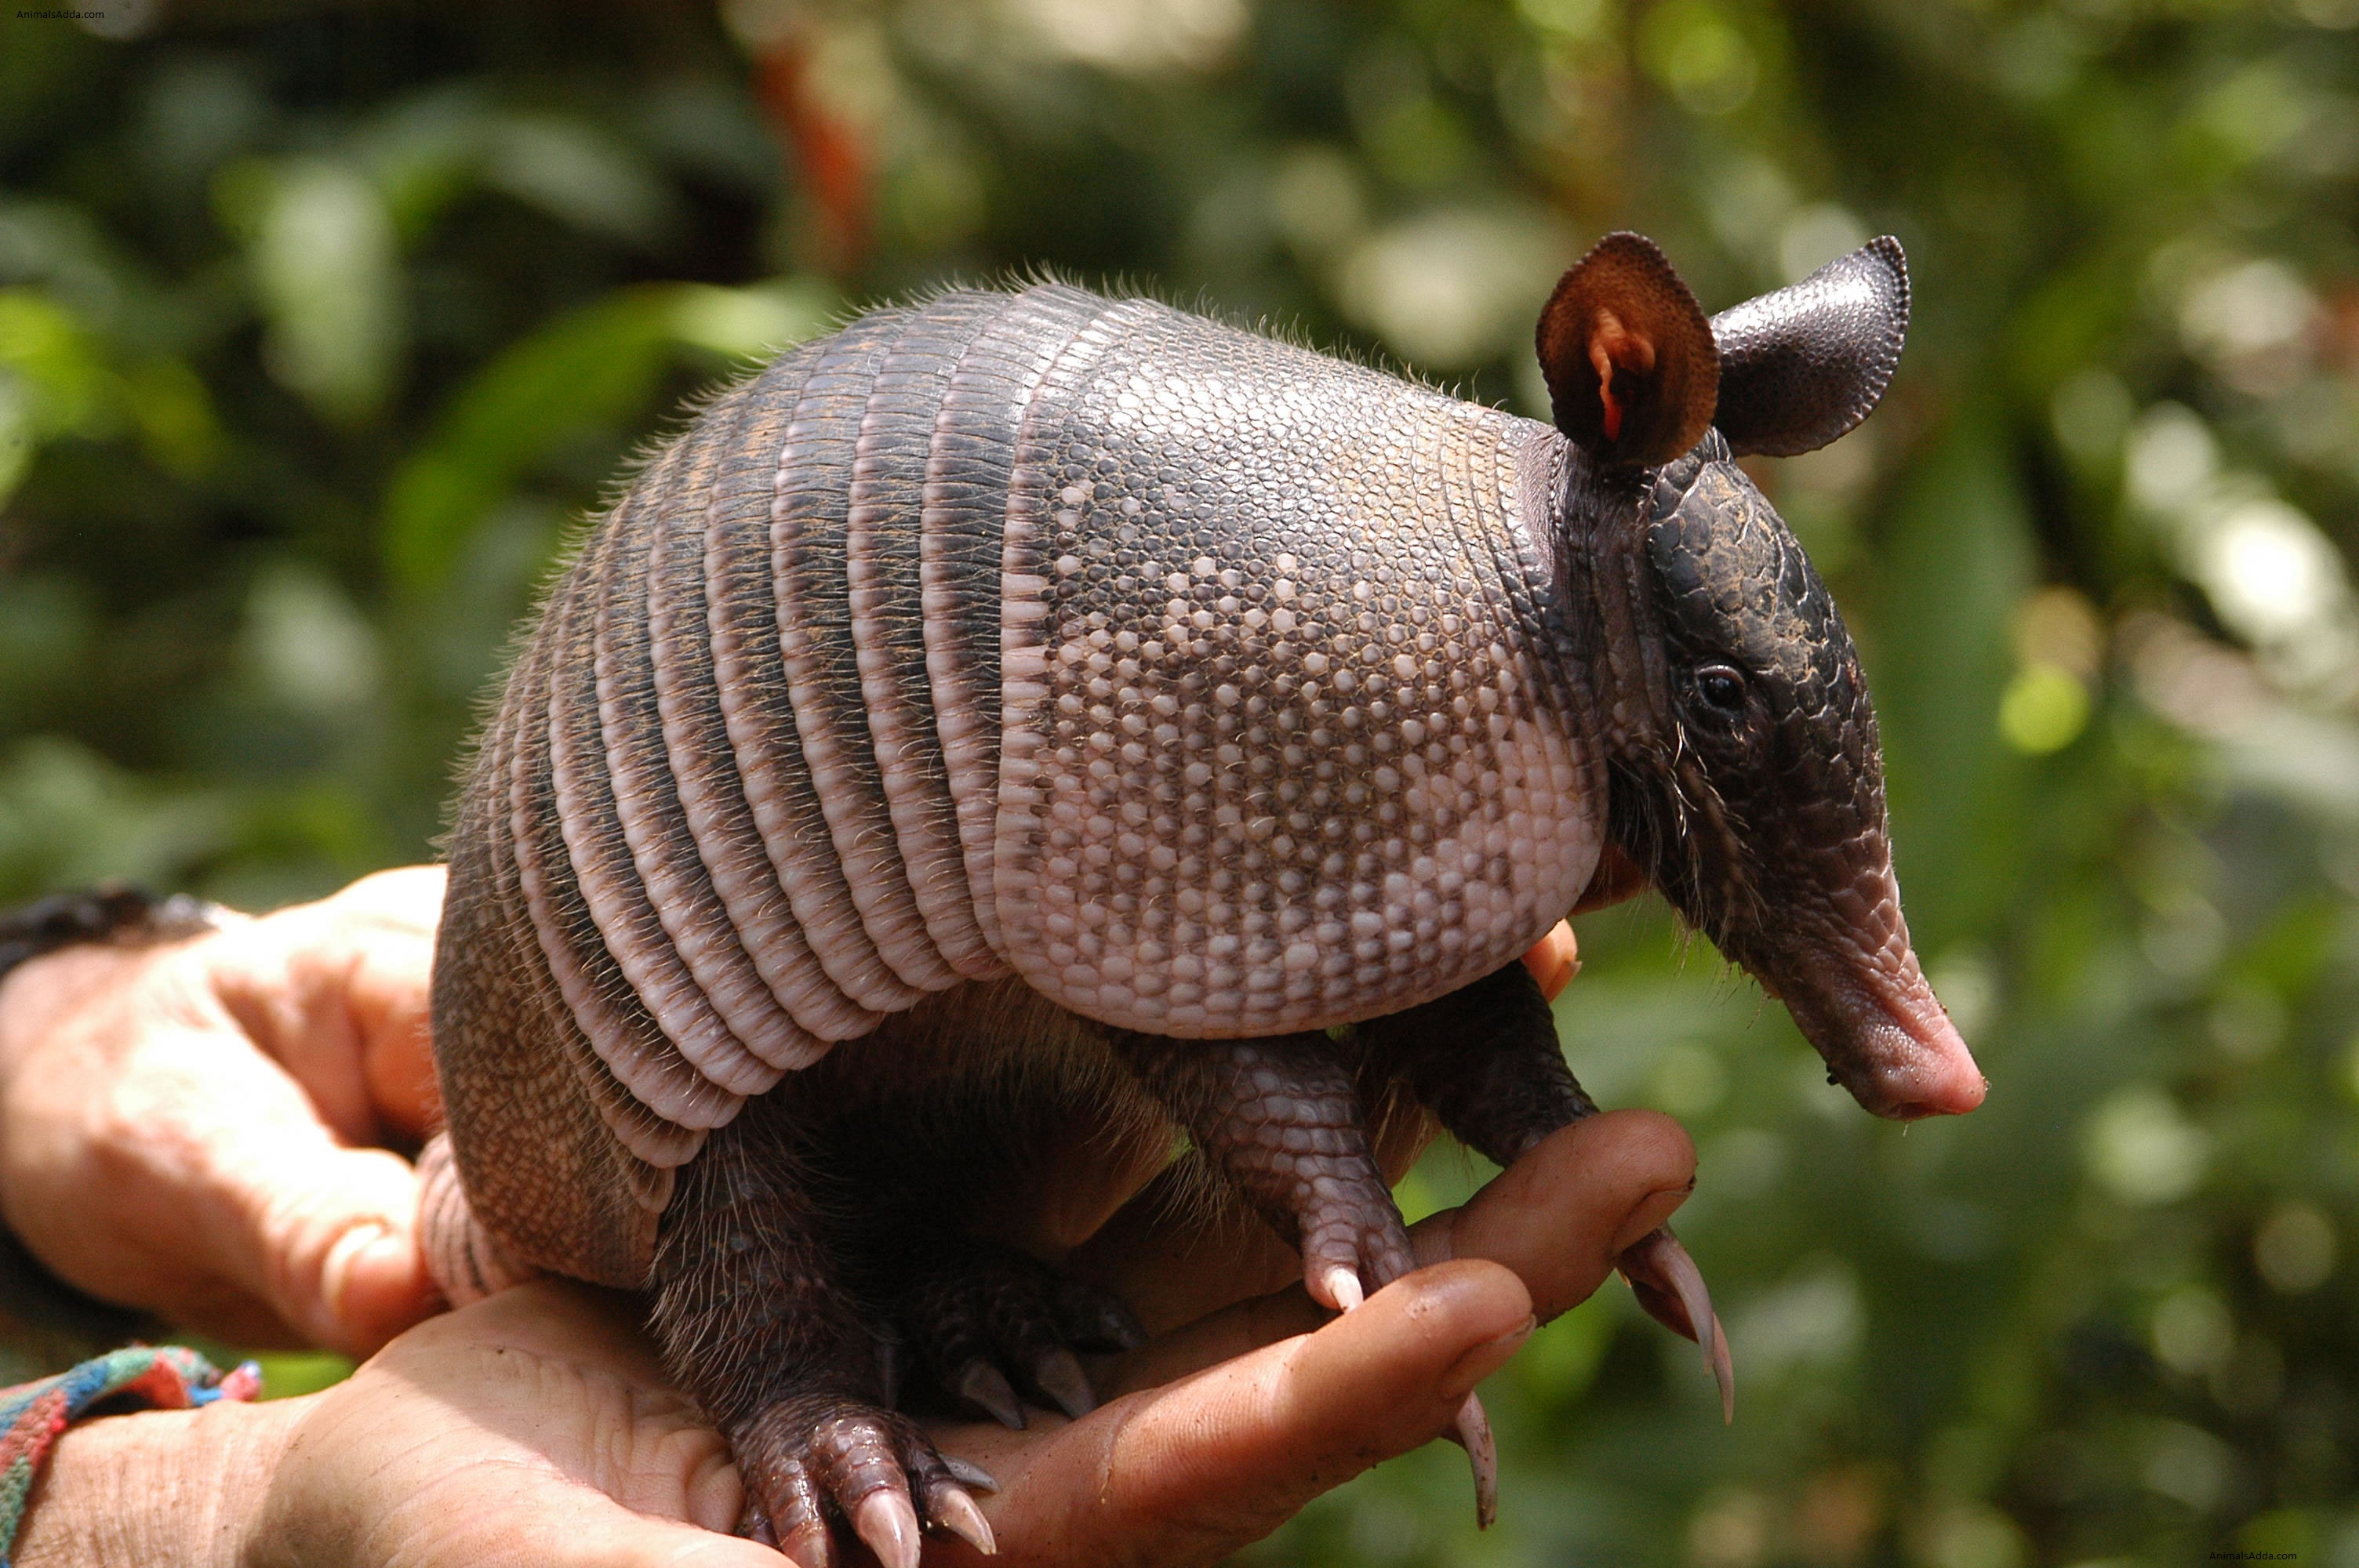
1029	709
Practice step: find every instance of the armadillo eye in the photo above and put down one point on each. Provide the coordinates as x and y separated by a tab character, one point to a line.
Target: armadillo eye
1722	689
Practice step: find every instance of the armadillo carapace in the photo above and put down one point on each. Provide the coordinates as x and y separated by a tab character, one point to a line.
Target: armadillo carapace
1029	709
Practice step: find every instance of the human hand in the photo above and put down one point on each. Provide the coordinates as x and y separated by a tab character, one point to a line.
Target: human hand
191	1127
1225	1423
536	1427
1219	1429
533	1428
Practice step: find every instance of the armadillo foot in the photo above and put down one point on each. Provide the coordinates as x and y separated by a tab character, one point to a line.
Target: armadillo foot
1281	1117
812	1459
1352	1241
987	1321
1670	1286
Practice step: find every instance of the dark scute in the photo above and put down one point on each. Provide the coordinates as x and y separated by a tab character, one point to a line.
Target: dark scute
1801	366
1667	403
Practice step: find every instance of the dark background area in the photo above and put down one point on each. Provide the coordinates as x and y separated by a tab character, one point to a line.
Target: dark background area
320	327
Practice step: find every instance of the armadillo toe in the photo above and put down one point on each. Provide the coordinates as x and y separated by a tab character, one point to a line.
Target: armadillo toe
816	1462
987	1321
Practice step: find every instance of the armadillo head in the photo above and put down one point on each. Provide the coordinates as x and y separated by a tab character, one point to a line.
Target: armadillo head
1749	784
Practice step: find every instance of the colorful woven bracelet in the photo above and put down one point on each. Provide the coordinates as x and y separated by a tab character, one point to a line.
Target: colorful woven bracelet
33	1415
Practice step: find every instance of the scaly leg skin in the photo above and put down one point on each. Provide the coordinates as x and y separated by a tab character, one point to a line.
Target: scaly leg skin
1484	1059
986	1321
1281	1117
755	1322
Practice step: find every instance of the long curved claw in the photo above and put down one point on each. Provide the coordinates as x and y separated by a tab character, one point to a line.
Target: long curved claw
1670	1286
1724	1372
969	1473
807	1541
1059	1375
984	1386
956	1512
1471	1432
888	1522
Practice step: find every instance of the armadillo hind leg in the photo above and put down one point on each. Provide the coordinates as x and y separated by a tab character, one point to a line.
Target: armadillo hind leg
1282	1120
1485	1060
994	1328
466	1264
756	1322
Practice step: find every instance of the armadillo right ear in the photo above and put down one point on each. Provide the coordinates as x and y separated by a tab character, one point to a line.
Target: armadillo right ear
1801	366
1632	369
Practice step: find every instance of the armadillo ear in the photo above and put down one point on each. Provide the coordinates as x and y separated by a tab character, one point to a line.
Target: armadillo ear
1632	369
1801	366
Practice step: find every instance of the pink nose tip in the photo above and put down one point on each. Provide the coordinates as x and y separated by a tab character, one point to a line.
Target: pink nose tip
1931	1073
1952	1101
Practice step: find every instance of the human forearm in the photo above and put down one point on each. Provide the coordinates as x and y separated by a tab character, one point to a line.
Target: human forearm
158	1489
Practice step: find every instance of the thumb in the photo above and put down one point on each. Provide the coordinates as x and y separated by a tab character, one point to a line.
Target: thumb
323	1235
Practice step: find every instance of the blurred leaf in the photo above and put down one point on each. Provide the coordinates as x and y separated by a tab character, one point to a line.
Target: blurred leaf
52	381
580	175
69	819
593	367
1957	563
175	416
322	247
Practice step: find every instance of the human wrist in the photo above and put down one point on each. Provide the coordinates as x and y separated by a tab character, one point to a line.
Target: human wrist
157	1490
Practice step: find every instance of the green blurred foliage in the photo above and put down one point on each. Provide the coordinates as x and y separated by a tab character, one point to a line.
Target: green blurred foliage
320	326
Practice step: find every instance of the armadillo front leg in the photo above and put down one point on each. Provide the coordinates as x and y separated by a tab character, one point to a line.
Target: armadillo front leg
1484	1059
757	1322
1281	1117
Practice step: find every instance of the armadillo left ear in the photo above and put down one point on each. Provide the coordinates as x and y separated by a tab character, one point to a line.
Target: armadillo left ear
1632	369
1801	366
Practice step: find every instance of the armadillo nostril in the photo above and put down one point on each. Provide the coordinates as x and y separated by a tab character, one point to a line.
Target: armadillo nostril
1952	1087
1899	1055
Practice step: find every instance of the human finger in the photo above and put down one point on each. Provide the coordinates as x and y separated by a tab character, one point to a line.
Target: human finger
338	993
1200	1467
1558	1218
1554	959
154	1157
1617	877
325	1234
226	1184
1561	1216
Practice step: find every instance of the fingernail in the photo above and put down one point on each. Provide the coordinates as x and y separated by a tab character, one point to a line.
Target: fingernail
1486	1358
1651	1211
